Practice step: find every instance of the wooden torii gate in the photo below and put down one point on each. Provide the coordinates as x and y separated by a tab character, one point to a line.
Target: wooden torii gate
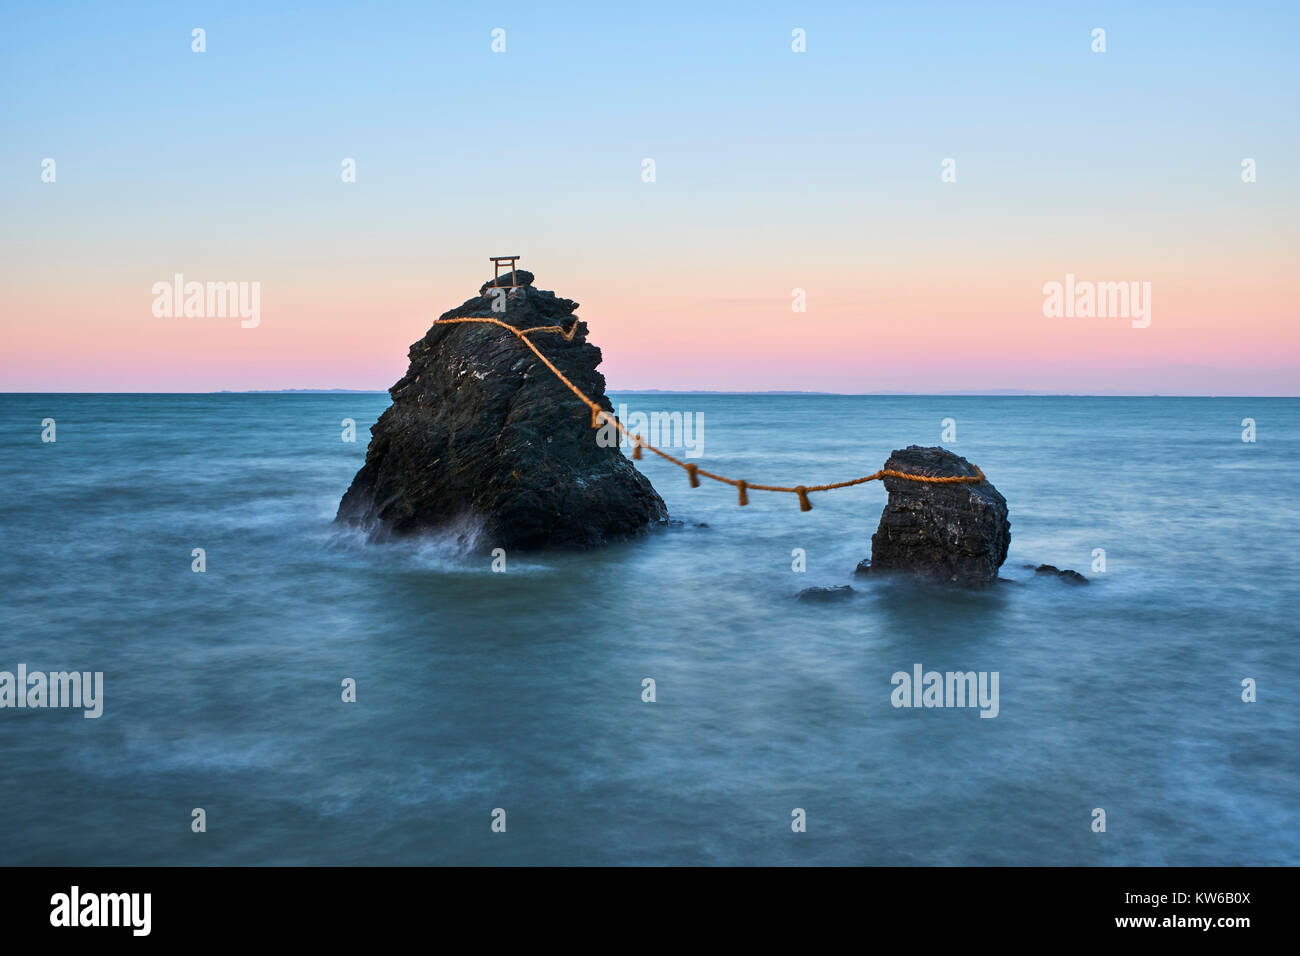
497	262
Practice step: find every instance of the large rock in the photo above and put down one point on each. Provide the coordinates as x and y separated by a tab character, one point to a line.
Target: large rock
956	533
483	438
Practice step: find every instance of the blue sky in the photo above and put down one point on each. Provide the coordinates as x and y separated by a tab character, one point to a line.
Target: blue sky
822	163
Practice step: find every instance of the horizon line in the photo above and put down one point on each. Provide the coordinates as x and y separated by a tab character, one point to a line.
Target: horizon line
990	393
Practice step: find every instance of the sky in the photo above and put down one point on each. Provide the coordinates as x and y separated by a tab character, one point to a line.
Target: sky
774	171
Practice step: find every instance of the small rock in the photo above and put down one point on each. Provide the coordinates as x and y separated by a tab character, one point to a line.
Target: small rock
822	595
1070	577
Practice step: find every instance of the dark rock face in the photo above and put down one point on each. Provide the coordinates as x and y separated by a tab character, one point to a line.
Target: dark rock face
483	438
957	533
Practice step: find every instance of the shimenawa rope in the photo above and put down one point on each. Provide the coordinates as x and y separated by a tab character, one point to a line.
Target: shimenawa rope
694	472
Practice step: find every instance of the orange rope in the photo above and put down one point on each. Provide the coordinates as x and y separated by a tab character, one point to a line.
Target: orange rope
693	471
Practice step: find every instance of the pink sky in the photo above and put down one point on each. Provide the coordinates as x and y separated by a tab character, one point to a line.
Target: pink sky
890	328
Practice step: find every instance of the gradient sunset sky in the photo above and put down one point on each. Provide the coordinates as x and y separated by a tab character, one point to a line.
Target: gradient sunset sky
775	170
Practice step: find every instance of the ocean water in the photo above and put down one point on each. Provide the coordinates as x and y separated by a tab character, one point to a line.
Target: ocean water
522	690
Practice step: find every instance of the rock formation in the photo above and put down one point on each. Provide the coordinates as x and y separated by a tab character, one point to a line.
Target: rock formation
483	438
1051	570
956	533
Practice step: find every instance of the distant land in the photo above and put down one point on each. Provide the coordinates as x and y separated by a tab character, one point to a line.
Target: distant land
795	391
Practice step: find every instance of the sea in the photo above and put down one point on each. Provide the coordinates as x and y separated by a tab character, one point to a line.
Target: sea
277	689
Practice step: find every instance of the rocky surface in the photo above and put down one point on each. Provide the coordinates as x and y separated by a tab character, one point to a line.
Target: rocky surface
482	438
516	278
956	533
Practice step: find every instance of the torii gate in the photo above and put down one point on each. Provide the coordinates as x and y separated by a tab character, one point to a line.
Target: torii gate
496	270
